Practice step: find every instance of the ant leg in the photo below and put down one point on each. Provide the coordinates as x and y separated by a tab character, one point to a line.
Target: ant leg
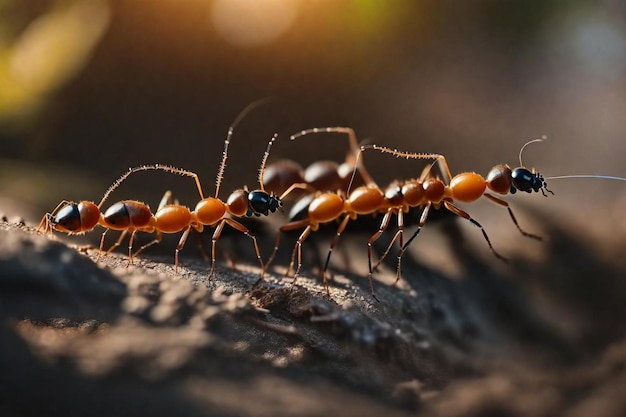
179	247
298	246
205	255
271	258
292	261
243	229
130	247
505	204
384	255
399	234
454	209
340	230
165	200
285	228
381	229
47	218
101	244
147	245
115	245
45	222
216	236
403	249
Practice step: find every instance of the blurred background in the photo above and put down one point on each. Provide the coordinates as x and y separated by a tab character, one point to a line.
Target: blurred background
89	88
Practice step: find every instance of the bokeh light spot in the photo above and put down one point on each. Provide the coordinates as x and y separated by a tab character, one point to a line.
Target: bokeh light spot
250	23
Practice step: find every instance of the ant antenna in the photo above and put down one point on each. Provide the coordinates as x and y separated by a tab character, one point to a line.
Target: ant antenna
244	112
541	139
354	147
410	155
264	160
356	165
604	177
166	168
558	177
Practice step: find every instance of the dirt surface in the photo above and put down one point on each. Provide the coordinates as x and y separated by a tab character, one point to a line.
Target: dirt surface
86	338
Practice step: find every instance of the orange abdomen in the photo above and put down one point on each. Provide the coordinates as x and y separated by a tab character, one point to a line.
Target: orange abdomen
467	187
210	211
325	208
172	218
366	200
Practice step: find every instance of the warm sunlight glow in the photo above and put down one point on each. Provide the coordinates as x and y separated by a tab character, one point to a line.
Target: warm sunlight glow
250	23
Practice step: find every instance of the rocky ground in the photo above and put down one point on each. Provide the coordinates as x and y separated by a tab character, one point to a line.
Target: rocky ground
542	338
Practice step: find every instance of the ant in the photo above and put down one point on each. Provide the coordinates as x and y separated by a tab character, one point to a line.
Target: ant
127	216
133	216
466	188
319	176
328	206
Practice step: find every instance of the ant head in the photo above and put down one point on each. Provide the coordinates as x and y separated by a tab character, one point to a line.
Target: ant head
525	180
260	202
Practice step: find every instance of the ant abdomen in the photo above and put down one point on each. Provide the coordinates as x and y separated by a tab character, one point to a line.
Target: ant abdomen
365	199
174	218
324	175
210	210
76	217
467	187
280	175
300	209
326	207
127	214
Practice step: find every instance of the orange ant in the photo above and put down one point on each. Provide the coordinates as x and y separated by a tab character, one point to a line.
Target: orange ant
326	207
133	216
465	187
127	216
321	175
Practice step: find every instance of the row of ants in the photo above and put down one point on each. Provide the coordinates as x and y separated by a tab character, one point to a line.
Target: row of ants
325	195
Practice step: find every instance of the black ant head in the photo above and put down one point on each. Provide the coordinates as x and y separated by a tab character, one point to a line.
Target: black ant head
260	202
525	180
67	219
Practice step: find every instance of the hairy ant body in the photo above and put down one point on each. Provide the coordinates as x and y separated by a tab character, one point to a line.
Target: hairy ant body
323	175
466	188
328	205
133	216
367	203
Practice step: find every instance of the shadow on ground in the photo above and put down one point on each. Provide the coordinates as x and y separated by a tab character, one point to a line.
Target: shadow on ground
80	338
